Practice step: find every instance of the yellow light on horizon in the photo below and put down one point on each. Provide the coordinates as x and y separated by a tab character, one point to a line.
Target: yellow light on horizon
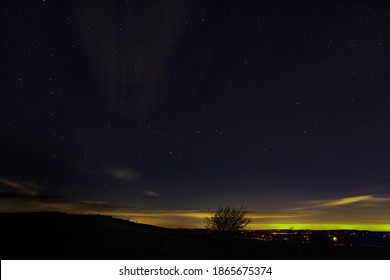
370	227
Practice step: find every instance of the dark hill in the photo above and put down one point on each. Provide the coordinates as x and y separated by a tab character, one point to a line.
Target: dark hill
52	235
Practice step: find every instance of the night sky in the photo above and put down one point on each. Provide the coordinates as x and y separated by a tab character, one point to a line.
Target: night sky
155	111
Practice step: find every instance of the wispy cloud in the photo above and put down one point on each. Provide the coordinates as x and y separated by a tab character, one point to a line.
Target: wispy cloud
21	187
123	173
356	210
361	201
152	194
93	202
278	215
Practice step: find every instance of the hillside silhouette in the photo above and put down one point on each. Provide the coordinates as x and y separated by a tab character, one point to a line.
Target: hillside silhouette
53	235
65	236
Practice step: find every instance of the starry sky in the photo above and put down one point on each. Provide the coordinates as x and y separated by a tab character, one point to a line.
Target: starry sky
155	111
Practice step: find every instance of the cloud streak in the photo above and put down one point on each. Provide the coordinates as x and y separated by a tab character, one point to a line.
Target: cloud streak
21	187
152	194
123	173
361	201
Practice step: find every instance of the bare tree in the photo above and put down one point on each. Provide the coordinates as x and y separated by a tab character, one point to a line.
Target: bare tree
228	218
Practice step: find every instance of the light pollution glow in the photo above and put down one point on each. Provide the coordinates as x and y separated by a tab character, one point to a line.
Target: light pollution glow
194	218
371	227
365	212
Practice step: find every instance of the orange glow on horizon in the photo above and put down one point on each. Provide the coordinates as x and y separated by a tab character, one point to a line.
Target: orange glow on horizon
367	212
370	227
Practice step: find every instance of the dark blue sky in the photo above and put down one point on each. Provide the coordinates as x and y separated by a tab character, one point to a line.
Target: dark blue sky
179	105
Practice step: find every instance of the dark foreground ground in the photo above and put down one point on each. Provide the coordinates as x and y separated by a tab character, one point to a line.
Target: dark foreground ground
63	236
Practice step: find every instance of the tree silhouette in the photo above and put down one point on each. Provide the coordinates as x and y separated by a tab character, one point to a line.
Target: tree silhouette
228	218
